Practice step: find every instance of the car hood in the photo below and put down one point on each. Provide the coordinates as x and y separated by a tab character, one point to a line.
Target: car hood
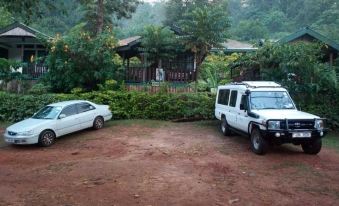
28	124
283	114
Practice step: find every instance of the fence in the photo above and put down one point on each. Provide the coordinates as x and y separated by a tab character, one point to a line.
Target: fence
157	87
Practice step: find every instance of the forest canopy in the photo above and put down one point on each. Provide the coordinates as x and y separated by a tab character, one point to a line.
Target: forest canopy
249	19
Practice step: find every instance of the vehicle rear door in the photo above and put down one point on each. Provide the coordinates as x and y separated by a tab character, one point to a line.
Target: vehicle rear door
87	113
70	123
221	106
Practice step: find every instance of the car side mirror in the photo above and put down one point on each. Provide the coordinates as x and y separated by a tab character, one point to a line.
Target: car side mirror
61	116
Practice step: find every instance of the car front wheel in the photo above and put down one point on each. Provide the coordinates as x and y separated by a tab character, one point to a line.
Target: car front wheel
312	147
46	138
258	144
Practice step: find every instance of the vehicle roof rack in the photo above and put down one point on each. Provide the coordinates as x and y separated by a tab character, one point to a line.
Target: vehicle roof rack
258	84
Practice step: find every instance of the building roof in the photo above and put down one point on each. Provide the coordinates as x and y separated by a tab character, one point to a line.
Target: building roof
309	32
128	41
232	45
18	29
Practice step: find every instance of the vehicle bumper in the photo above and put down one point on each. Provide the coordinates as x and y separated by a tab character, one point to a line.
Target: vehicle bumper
286	136
33	139
108	117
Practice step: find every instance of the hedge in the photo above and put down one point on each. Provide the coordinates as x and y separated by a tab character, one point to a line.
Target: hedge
124	105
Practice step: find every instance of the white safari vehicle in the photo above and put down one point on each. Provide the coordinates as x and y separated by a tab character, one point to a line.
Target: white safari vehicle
265	112
56	120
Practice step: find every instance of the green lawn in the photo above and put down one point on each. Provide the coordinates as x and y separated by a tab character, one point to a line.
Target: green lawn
332	141
3	126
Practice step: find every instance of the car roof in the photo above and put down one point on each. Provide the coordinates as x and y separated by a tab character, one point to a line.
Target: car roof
254	86
66	103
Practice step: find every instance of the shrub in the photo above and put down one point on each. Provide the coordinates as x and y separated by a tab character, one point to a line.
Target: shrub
124	105
39	89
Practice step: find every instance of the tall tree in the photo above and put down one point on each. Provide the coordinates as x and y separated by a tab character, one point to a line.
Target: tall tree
26	9
98	13
159	42
206	26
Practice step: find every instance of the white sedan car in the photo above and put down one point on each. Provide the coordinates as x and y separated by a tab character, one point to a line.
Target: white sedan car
56	120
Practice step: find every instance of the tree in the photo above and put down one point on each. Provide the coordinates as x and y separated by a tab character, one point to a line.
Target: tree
215	70
250	30
79	60
98	13
145	14
26	9
159	43
205	27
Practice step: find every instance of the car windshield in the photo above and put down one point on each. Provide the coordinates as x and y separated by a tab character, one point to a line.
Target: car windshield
271	100
48	112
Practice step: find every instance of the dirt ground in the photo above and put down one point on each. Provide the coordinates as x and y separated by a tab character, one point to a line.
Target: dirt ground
163	163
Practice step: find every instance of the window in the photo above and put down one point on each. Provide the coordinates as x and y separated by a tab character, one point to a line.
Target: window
84	107
243	102
69	110
223	96
233	100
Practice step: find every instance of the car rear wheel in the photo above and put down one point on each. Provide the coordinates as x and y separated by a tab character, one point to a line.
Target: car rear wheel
224	127
258	144
98	123
312	147
46	138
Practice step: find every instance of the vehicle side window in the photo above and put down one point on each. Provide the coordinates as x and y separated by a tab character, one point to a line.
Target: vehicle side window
223	96
69	110
84	107
243	103
233	100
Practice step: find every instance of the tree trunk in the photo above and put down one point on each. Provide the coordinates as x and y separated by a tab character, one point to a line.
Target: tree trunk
100	17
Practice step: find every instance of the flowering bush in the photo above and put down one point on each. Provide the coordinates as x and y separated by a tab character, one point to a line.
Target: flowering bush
80	60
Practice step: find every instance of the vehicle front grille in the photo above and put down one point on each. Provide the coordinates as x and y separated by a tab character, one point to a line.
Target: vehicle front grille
12	133
298	124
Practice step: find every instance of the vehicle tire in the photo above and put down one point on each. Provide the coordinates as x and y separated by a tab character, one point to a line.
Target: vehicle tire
46	138
313	147
258	144
98	123
225	130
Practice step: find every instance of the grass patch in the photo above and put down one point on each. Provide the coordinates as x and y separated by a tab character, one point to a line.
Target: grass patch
206	123
3	126
332	141
141	122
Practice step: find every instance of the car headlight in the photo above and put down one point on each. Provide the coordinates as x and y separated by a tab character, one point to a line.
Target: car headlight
26	133
319	124
273	125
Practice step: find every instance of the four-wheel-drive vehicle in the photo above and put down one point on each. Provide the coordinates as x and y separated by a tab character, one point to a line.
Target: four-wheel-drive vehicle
265	112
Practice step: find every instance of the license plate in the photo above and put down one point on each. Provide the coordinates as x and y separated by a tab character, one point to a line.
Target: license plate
9	140
301	134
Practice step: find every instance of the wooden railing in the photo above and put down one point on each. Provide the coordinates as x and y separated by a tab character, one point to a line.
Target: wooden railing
142	74
34	71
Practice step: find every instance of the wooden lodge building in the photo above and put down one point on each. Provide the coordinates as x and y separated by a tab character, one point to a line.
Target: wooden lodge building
181	69
330	52
21	43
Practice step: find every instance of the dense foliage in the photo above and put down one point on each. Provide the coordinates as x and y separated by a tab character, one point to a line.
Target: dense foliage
159	43
204	24
124	105
276	18
215	70
79	60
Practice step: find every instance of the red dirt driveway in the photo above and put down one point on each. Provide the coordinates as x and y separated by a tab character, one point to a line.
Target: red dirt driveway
161	163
